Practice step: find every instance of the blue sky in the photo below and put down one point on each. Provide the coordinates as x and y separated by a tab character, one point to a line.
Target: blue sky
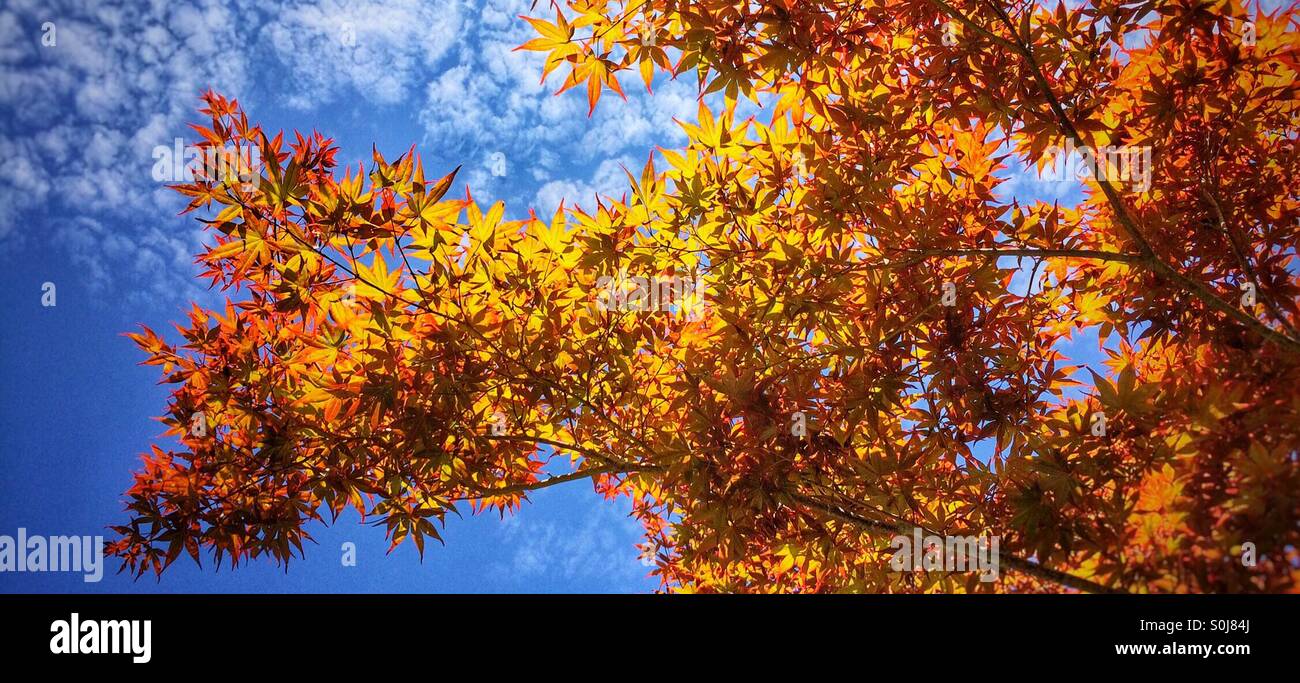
79	121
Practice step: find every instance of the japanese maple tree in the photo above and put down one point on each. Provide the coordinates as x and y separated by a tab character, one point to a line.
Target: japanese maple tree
884	341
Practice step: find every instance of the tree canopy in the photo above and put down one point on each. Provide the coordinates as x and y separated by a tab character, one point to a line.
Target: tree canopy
872	338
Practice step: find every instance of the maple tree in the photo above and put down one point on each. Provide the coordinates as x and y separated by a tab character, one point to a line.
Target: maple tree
400	351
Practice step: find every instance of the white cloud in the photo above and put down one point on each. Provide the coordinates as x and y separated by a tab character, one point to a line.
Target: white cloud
83	116
601	548
494	102
607	180
380	48
1025	184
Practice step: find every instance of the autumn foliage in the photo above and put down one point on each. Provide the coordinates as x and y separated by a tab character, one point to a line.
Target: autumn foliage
401	351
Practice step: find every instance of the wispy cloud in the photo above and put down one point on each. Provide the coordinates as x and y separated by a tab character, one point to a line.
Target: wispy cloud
492	105
85	112
89	90
597	551
345	47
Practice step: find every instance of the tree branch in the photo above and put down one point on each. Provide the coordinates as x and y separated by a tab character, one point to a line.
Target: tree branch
1126	220
594	455
1014	562
548	482
1037	253
1239	251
